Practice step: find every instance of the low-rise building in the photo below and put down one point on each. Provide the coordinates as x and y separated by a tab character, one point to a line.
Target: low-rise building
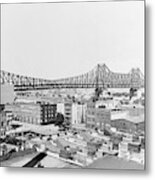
128	125
129	120
134	147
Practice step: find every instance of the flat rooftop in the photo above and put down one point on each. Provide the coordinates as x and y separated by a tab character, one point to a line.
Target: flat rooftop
39	129
127	117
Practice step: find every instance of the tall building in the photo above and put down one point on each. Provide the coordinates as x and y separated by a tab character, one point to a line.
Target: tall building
48	113
90	114
68	112
60	108
78	113
102	117
97	117
74	113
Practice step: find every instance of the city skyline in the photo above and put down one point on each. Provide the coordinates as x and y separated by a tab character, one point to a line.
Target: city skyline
66	45
73	85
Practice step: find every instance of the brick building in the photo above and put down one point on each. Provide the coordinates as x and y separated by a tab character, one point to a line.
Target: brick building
48	113
33	113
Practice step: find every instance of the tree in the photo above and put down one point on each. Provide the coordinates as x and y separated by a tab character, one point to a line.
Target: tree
59	119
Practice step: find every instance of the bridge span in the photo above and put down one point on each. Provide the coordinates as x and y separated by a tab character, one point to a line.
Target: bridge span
99	77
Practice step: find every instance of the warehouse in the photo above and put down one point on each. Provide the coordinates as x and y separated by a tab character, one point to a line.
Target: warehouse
129	124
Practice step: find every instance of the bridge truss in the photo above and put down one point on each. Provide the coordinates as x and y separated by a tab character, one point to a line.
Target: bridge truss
99	77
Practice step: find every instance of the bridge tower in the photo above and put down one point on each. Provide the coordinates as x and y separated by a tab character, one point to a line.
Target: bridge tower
137	81
98	89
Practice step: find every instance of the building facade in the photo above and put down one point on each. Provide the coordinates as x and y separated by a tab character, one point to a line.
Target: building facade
33	113
5	119
68	112
78	113
97	117
48	113
74	113
127	126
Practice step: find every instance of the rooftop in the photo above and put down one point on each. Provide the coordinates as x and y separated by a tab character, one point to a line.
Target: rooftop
112	162
127	117
39	129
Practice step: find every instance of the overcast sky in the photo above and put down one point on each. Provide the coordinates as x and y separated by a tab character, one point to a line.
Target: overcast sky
57	40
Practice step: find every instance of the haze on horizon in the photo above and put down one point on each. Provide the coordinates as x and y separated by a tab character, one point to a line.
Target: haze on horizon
58	40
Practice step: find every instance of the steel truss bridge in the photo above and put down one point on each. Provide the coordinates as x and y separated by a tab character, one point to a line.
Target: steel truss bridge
99	77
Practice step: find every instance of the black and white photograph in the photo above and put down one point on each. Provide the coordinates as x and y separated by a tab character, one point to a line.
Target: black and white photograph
72	81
